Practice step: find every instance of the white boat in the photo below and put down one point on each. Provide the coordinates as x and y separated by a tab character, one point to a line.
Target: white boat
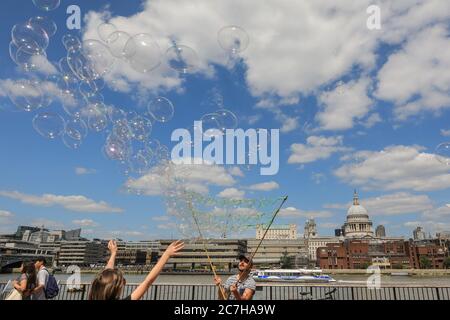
292	275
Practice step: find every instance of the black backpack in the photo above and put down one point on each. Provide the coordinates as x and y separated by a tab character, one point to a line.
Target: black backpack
51	289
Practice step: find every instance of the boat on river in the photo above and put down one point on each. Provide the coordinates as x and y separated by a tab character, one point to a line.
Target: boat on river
292	275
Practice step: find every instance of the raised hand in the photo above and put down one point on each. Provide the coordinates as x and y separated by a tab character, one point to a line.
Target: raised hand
217	280
174	248
112	246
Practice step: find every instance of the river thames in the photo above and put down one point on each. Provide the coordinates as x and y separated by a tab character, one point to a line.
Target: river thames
207	279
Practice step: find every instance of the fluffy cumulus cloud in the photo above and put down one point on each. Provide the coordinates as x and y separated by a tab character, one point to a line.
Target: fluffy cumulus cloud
316	148
343	105
291	212
194	177
232	193
85	223
391	204
413	79
265	186
73	203
395	168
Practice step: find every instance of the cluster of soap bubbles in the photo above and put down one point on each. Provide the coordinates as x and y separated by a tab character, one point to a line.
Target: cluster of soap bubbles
211	217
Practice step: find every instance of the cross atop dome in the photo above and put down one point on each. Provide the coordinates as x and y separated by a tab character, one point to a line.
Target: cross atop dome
355	198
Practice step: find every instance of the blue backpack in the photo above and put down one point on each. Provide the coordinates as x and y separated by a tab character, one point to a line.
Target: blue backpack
52	289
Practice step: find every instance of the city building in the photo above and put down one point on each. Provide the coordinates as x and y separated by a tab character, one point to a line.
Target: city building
380	231
314	243
277	232
223	253
310	230
393	254
270	252
21	230
82	253
358	224
130	257
419	234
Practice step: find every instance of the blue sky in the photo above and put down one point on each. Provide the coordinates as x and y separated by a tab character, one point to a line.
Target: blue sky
357	109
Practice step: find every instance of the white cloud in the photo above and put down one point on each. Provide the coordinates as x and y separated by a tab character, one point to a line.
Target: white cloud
6	214
168	226
395	168
232	193
73	203
85	223
120	233
194	177
425	54
265	186
84	171
291	212
445	133
47	223
161	218
316	148
391	204
236	171
372	120
343	105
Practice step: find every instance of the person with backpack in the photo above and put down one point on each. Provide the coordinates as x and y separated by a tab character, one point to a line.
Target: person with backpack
47	287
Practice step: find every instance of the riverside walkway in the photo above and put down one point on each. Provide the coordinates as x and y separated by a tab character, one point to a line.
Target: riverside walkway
270	291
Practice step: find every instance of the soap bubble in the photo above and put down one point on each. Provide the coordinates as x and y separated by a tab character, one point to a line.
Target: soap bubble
73	103
104	30
442	153
31	36
71	42
47	5
95	99
76	128
233	39
48	25
122	130
116	115
68	75
47	90
70	142
211	125
117	42
140	127
143	52
13	51
182	58
90	87
116	149
226	119
49	125
99	58
30	60
97	117
25	95
161	109
141	159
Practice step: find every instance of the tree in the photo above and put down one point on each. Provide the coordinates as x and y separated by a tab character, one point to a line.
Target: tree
425	263
285	261
447	263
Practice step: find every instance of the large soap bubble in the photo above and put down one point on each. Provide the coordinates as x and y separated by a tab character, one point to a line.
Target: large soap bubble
226	119
182	58
161	109
49	125
116	149
140	127
233	39
76	128
25	95
104	30
70	142
30	58
117	42
32	36
71	42
143	52
48	25
47	5
211	125
100	59
443	153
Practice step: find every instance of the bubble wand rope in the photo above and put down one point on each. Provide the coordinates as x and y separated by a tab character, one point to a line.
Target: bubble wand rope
213	268
262	238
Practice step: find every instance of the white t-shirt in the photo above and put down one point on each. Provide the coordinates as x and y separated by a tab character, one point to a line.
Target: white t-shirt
42	278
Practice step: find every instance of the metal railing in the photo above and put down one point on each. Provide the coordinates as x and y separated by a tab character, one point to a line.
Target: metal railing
270	292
